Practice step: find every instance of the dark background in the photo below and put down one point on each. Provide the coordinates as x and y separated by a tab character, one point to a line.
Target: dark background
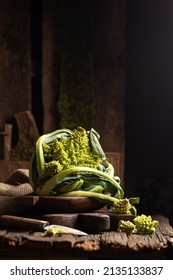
131	46
149	90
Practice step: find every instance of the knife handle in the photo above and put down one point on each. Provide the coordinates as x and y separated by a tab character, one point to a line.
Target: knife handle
16	222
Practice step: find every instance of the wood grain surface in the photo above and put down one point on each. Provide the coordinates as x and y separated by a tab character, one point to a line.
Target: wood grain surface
107	245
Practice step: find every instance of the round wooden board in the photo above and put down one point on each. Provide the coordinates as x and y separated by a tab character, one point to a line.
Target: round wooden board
51	204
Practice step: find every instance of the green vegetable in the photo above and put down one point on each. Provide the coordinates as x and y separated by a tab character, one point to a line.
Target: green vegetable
73	163
122	206
144	224
87	174
42	156
141	224
69	187
95	188
64	156
53	231
95	144
126	226
67	148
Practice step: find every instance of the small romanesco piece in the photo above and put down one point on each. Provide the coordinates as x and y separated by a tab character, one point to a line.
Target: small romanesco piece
126	226
144	224
53	231
53	167
66	152
122	206
47	152
141	224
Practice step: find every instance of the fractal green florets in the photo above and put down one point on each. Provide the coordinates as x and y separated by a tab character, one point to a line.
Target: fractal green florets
66	152
141	224
53	232
122	206
144	224
126	226
53	167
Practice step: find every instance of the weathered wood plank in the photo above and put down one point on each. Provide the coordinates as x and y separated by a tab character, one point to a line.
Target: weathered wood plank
93	222
107	245
51	65
108	41
65	219
15	81
27	136
17	205
115	239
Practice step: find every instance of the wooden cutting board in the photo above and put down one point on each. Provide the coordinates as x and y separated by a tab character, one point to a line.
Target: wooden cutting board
47	204
91	222
82	213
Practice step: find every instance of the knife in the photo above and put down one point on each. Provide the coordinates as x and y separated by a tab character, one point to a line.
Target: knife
23	223
66	229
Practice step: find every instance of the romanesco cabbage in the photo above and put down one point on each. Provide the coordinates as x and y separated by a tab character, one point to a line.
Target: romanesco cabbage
144	224
126	226
141	224
122	206
66	152
72	163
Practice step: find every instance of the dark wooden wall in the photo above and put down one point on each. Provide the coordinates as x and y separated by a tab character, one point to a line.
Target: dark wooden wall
15	62
108	31
107	50
31	64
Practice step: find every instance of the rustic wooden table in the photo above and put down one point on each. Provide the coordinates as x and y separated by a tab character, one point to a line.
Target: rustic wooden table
15	244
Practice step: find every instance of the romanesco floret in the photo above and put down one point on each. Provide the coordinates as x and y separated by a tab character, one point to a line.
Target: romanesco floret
66	152
53	231
141	224
60	154
126	226
122	206
47	150
52	168
144	224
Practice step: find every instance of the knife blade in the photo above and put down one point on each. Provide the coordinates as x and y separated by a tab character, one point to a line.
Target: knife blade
66	229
